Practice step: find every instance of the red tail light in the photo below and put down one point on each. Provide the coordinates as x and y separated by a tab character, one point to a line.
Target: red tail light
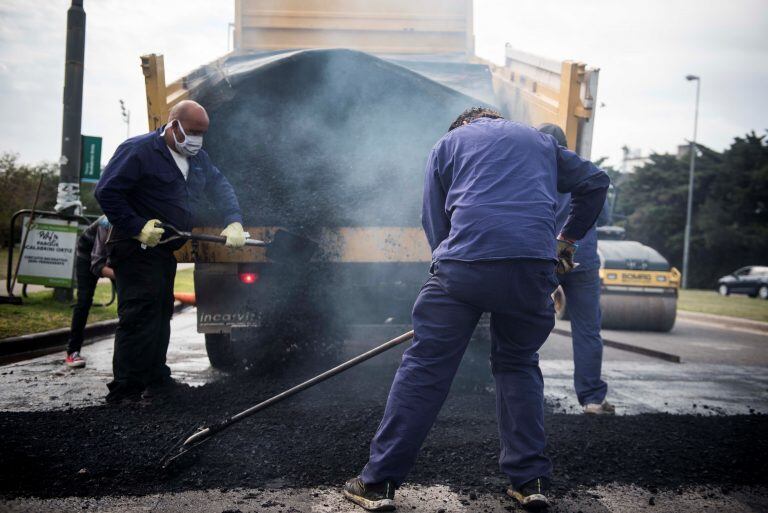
249	278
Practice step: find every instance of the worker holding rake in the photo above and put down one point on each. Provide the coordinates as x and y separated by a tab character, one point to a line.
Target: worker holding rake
490	198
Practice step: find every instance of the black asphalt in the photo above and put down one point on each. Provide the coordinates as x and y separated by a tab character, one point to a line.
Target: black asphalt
321	436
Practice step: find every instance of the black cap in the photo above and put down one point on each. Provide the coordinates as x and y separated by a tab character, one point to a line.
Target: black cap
555	131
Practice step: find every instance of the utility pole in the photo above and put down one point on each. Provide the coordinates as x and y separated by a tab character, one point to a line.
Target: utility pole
68	195
126	119
689	209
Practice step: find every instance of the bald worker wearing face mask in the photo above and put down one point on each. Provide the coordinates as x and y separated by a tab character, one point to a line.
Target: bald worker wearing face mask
156	178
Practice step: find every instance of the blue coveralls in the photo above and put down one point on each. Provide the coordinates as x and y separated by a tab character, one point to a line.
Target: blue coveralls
143	182
582	295
490	196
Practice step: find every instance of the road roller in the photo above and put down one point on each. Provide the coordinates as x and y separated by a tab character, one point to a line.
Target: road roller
639	288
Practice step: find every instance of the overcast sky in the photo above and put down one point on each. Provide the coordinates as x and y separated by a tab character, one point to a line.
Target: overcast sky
644	49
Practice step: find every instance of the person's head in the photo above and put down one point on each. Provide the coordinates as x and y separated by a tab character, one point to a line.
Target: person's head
556	132
471	114
187	123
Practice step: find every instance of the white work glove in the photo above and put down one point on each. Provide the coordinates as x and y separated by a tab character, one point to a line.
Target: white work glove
150	235
235	235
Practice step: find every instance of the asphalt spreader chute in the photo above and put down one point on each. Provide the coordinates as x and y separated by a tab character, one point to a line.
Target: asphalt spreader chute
202	435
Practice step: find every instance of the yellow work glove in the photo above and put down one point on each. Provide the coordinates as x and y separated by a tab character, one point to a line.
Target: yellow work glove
235	235
150	234
565	251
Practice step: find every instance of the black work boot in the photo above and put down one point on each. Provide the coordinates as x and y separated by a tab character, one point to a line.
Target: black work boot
531	495
161	387
120	394
373	497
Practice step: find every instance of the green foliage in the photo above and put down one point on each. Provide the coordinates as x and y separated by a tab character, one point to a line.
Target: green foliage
735	305
730	216
18	183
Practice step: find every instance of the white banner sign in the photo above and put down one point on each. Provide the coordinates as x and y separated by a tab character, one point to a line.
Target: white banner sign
49	255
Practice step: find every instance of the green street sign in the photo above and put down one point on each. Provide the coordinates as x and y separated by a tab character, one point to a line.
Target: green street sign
90	161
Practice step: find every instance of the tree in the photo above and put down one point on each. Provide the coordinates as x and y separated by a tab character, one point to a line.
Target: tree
18	183
730	213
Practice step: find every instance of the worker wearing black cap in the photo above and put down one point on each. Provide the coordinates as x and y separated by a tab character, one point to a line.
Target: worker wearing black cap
156	178
490	197
582	295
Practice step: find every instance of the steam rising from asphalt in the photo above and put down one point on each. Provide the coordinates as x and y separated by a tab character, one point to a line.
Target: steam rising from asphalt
326	139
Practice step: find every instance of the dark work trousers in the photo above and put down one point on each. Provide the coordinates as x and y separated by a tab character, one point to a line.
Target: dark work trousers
144	280
86	286
518	295
582	299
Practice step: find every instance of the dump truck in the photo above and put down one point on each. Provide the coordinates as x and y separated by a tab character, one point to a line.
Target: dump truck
322	118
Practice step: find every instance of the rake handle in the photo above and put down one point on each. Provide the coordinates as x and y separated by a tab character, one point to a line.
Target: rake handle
219	239
207	432
204	237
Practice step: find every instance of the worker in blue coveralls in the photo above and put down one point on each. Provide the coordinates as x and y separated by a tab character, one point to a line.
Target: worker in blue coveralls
490	197
156	178
582	295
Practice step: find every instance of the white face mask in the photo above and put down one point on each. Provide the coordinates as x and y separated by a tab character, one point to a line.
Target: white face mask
191	144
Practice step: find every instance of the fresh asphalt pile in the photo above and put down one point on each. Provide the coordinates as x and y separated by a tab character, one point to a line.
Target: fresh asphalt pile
320	438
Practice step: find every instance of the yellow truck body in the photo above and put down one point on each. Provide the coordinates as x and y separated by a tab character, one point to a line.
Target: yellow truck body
526	88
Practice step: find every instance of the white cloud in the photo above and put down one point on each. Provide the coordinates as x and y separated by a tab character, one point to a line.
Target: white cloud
32	43
644	50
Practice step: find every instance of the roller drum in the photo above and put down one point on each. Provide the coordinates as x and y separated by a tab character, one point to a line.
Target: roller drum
638	312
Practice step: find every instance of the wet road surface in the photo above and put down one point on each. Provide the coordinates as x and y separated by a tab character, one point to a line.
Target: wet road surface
724	372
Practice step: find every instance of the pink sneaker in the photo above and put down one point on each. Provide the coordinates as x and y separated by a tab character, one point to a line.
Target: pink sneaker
74	360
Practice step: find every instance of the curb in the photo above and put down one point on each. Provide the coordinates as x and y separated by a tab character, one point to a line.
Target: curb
23	347
723	320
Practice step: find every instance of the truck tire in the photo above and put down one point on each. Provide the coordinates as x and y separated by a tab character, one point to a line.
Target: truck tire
220	352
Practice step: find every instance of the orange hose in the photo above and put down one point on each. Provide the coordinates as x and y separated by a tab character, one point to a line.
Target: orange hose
188	298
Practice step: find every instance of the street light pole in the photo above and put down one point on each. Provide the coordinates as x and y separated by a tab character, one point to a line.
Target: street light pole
689	210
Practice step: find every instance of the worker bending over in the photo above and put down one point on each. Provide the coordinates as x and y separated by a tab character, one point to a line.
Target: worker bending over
582	295
156	178
90	265
490	197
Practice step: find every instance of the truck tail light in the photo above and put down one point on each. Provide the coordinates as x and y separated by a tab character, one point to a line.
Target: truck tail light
249	278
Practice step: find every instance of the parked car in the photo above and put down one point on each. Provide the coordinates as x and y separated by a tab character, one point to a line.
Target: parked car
751	280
